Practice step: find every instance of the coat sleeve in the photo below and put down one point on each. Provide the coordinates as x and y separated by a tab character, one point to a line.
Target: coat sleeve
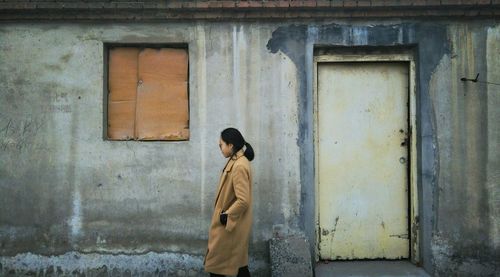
241	185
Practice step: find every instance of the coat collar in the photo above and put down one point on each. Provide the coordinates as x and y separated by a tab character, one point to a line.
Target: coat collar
232	160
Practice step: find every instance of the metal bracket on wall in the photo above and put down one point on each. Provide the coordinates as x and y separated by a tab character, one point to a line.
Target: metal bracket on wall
476	80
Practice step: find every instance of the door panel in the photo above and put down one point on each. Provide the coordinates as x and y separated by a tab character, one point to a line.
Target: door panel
362	160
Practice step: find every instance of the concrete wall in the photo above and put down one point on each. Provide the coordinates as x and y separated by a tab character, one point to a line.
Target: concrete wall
466	194
64	188
457	130
69	197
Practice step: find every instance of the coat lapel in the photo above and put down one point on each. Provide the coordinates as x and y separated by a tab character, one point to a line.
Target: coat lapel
225	172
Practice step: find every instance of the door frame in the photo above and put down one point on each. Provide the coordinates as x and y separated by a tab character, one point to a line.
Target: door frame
413	228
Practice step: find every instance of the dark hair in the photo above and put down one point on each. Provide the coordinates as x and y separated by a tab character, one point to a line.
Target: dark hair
234	137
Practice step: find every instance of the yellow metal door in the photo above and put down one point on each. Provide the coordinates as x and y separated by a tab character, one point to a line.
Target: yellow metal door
363	160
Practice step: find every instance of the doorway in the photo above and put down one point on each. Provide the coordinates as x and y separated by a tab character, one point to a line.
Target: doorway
365	187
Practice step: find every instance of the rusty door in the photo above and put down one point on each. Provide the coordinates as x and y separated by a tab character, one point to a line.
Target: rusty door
362	160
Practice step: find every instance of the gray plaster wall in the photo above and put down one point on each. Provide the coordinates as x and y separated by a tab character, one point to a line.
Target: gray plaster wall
466	218
457	130
65	190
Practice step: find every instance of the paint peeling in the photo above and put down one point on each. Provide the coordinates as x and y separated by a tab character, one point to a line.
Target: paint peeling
401	236
335	226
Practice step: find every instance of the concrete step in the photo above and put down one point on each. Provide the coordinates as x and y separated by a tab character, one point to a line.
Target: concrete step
368	268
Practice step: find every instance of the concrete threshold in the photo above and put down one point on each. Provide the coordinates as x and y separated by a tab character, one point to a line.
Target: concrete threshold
368	268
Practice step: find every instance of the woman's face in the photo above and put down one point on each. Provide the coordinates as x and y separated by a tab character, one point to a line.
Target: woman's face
226	149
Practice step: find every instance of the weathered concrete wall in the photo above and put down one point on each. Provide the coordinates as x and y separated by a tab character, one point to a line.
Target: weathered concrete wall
63	188
459	214
467	122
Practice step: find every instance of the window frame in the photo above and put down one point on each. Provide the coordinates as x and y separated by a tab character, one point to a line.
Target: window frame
107	46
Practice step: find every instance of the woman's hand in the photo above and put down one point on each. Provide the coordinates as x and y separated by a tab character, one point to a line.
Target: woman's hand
223	218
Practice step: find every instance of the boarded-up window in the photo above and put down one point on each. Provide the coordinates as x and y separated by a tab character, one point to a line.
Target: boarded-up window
148	94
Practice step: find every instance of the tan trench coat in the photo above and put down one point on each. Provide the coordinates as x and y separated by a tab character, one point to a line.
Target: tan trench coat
228	245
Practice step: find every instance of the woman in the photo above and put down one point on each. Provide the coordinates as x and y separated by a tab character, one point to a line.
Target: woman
227	252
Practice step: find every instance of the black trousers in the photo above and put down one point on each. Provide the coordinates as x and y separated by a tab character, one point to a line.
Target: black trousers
242	272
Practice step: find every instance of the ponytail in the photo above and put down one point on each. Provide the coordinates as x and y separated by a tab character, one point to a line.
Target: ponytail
249	151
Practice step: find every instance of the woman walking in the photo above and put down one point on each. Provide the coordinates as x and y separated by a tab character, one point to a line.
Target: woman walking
229	232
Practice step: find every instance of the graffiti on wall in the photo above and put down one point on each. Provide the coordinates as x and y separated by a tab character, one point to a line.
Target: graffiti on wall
18	133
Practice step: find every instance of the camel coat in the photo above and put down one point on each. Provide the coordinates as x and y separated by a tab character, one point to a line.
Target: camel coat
228	245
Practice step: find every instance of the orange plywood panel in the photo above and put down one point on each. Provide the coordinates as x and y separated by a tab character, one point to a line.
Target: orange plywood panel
162	96
162	112
121	123
164	64
122	83
123	73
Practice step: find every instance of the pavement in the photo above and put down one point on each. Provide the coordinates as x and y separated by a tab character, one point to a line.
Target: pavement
368	268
